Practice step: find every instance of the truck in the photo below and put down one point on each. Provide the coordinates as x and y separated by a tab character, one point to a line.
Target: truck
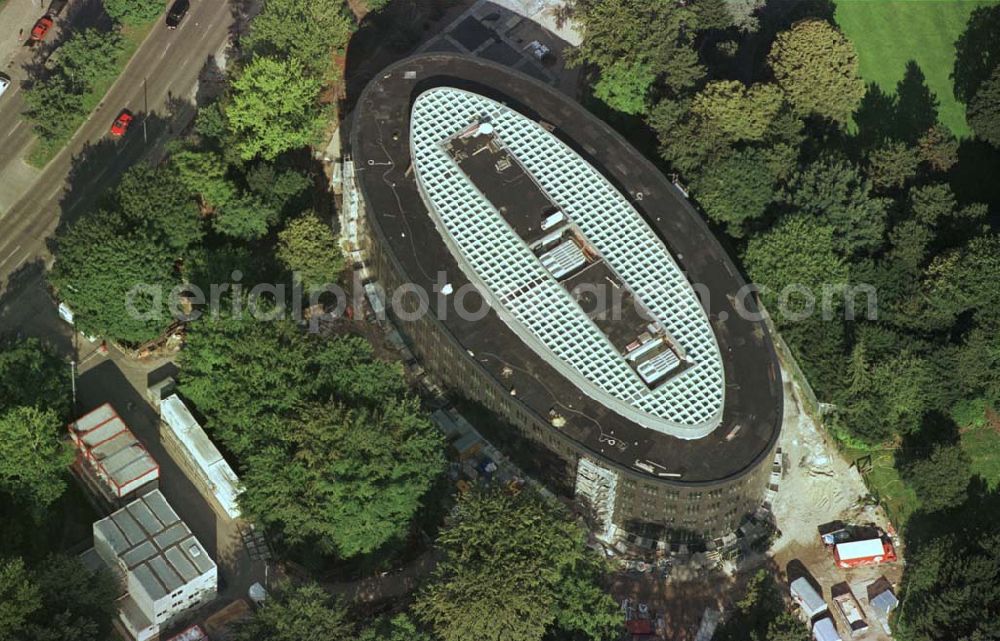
807	597
853	554
851	611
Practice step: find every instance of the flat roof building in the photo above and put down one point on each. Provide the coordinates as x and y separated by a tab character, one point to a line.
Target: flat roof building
111	454
216	479
164	568
538	264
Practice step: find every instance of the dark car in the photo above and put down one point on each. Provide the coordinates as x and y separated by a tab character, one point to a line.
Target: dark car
177	12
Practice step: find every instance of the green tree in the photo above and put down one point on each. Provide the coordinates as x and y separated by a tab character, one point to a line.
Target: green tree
32	374
941	479
307	245
398	628
984	109
951	590
743	14
506	560
248	377
817	67
346	481
117	280
134	12
938	148
154	199
799	251
786	627
835	192
736	111
310	30
203	174
20	599
54	106
886	398
757	612
77	604
285	190
33	459
246	217
640	32
625	87
736	190
294	613
273	107
892	165
90	56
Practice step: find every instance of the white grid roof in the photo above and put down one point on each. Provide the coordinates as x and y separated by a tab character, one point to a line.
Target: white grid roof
535	305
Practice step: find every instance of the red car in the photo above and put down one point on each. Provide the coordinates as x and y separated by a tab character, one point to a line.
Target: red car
41	28
121	123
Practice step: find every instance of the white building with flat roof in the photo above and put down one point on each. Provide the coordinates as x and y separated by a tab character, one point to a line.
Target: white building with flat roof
164	568
184	434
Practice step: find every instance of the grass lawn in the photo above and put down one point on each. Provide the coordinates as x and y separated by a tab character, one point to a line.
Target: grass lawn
890	33
899	500
45	150
982	444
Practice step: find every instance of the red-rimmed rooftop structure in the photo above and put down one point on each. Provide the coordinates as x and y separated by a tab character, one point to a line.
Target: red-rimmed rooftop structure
109	452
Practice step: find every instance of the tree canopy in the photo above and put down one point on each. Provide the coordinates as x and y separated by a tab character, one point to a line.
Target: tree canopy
273	107
508	563
347	481
294	613
115	277
984	109
312	31
33	459
307	245
134	12
817	67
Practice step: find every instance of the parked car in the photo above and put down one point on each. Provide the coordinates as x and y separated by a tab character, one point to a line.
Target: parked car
4	83
41	29
177	12
121	123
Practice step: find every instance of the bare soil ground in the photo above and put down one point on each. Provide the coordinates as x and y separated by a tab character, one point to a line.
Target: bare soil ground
819	486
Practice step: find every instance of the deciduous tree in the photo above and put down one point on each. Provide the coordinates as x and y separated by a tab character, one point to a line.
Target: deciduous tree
346	481
736	111
246	217
309	30
817	67
736	190
294	613
273	107
116	278
835	192
20	599
506	558
33	458
625	87
134	12
154	199
940	479
204	174
307	246
33	375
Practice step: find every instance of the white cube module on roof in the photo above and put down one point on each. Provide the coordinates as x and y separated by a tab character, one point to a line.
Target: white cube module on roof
216	478
109	452
163	566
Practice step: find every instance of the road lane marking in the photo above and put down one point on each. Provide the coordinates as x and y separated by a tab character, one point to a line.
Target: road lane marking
10	254
14	128
21	262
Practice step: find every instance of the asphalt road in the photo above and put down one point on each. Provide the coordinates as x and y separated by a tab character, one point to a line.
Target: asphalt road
162	74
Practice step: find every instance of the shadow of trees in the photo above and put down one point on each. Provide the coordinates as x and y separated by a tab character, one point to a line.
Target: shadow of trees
977	51
904	116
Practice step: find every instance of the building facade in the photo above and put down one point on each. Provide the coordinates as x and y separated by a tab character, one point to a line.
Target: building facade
164	568
486	190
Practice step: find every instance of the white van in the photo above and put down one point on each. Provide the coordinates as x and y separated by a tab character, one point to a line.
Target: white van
808	598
